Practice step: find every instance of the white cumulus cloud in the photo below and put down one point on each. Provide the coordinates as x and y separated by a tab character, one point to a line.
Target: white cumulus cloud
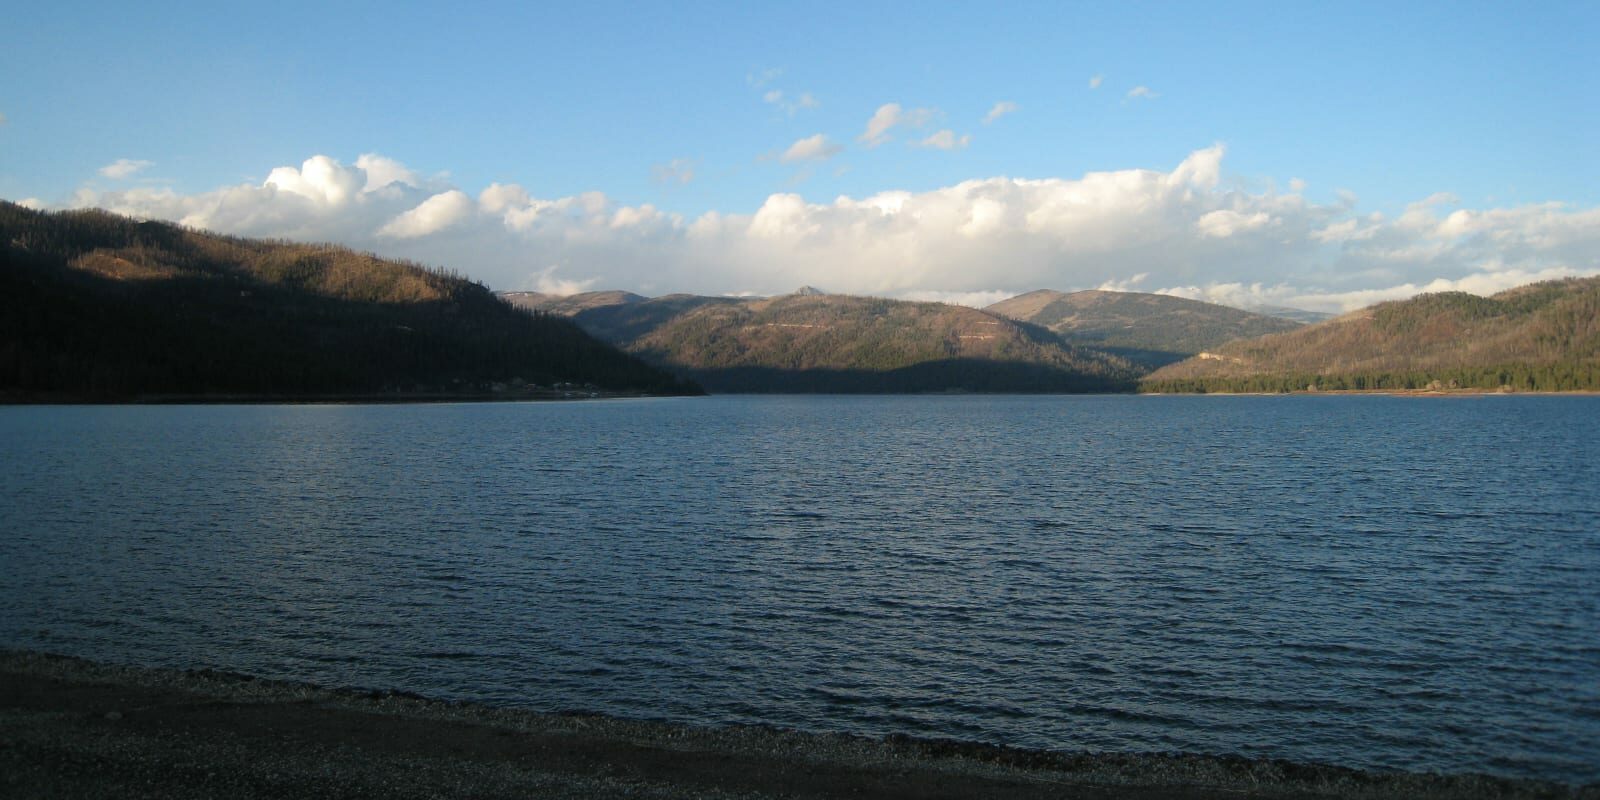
1142	92
321	180
1183	229
1095	81
811	148
1226	222
431	216
890	116
546	282
1130	284
999	110
946	140
381	172
791	105
123	168
1256	295
975	299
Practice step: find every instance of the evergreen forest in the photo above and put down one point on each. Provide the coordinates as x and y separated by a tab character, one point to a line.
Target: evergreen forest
96	306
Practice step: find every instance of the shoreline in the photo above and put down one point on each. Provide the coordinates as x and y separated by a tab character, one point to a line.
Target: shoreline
79	728
1385	393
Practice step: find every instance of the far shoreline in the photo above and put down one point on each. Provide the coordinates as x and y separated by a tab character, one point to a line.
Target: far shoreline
1385	393
438	398
334	398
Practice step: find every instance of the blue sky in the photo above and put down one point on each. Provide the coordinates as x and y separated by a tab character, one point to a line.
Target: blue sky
689	109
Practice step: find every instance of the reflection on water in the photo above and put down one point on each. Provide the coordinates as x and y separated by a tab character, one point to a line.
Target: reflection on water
1380	582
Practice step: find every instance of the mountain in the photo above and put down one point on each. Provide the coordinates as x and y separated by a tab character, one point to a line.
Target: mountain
567	305
838	343
1152	329
1543	336
99	306
1296	314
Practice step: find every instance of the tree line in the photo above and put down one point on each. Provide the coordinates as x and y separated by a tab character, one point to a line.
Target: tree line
98	306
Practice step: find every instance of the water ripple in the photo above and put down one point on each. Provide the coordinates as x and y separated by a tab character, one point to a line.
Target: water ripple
1371	581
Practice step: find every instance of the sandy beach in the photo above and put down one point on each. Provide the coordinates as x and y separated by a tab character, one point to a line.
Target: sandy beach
78	729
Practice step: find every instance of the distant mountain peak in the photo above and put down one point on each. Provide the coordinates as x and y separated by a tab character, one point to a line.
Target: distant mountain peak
808	291
1296	314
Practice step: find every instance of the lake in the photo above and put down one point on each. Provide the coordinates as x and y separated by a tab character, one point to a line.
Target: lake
1379	582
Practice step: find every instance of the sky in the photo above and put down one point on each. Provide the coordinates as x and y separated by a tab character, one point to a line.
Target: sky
1320	156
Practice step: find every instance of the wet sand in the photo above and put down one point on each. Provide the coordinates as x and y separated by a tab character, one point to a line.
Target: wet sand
77	729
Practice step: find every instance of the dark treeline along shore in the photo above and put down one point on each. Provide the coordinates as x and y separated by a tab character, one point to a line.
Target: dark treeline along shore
100	307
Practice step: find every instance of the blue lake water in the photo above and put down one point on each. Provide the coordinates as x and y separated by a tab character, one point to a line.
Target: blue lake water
1379	582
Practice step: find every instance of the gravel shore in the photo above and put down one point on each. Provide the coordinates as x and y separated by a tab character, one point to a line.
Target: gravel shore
71	728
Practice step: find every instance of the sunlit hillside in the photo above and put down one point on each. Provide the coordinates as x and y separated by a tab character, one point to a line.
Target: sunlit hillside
1154	329
1543	336
99	306
815	342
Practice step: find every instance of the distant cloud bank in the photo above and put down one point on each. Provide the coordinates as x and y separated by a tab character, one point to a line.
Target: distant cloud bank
1182	231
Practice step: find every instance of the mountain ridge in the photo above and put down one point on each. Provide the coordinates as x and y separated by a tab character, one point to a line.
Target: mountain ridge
1542	336
94	305
812	342
1153	329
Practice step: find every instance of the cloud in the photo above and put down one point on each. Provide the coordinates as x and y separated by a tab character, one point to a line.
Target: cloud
678	170
1094	82
381	172
123	168
1225	222
877	132
982	298
811	148
761	77
499	198
433	215
1257	295
321	180
945	140
891	115
1184	229
1124	285
790	105
1141	92
546	282
1000	109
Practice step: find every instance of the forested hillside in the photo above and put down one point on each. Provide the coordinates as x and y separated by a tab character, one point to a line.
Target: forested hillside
834	343
99	306
1152	329
1540	337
